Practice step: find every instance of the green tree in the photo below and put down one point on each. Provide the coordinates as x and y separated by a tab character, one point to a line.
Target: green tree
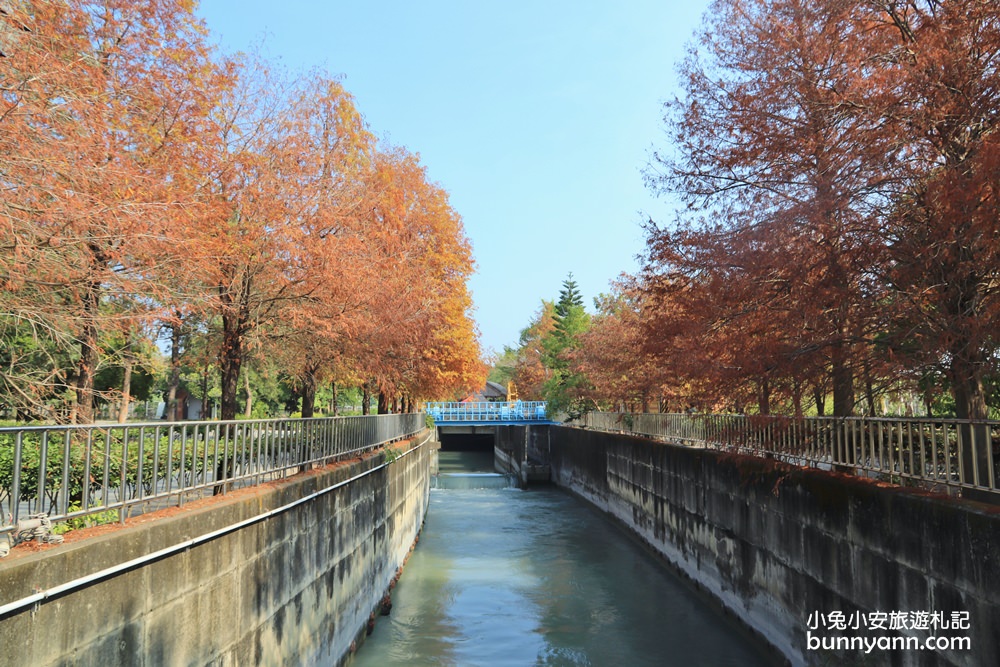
529	372
570	320
503	366
130	362
36	368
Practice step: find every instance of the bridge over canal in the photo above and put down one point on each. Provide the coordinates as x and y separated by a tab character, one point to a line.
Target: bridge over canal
474	425
488	413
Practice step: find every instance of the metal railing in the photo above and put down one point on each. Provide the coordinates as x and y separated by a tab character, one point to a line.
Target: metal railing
941	454
76	471
486	411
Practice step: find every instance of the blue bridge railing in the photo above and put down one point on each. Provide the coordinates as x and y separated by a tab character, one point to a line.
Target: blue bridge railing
487	411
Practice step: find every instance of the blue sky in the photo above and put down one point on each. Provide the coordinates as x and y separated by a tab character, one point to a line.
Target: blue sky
537	118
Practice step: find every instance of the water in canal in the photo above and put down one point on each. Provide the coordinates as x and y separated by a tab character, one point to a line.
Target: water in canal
509	577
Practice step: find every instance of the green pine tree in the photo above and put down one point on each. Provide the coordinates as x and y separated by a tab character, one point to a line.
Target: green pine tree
570	321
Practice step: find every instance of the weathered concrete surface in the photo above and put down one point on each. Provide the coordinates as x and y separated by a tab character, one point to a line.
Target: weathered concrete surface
775	545
296	588
523	451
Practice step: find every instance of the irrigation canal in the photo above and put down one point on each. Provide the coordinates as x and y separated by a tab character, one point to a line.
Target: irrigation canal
509	577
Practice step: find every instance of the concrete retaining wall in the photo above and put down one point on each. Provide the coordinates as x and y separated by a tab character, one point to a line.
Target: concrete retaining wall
776	545
293	588
524	452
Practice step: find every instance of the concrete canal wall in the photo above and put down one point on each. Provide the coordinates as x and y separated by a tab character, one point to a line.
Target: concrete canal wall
283	574
523	451
777	546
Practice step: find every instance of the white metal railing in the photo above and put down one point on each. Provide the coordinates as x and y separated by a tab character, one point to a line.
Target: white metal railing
950	453
75	471
486	411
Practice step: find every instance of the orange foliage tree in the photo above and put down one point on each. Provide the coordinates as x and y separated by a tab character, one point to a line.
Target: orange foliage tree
427	343
839	164
529	373
838	160
145	179
619	376
316	329
768	150
942	230
99	99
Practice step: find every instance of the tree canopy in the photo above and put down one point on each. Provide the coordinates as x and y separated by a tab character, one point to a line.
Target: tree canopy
542	366
152	185
837	249
835	158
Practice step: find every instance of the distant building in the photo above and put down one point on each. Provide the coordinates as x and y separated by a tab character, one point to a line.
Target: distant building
188	408
492	392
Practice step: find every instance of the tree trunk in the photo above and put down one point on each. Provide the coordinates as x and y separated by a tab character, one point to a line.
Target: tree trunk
308	392
204	412
248	410
230	361
333	399
819	397
764	397
174	382
970	403
843	382
126	388
87	366
967	389
383	403
366	400
84	412
869	390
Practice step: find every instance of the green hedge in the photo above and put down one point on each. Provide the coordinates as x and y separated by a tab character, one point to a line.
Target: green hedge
105	457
